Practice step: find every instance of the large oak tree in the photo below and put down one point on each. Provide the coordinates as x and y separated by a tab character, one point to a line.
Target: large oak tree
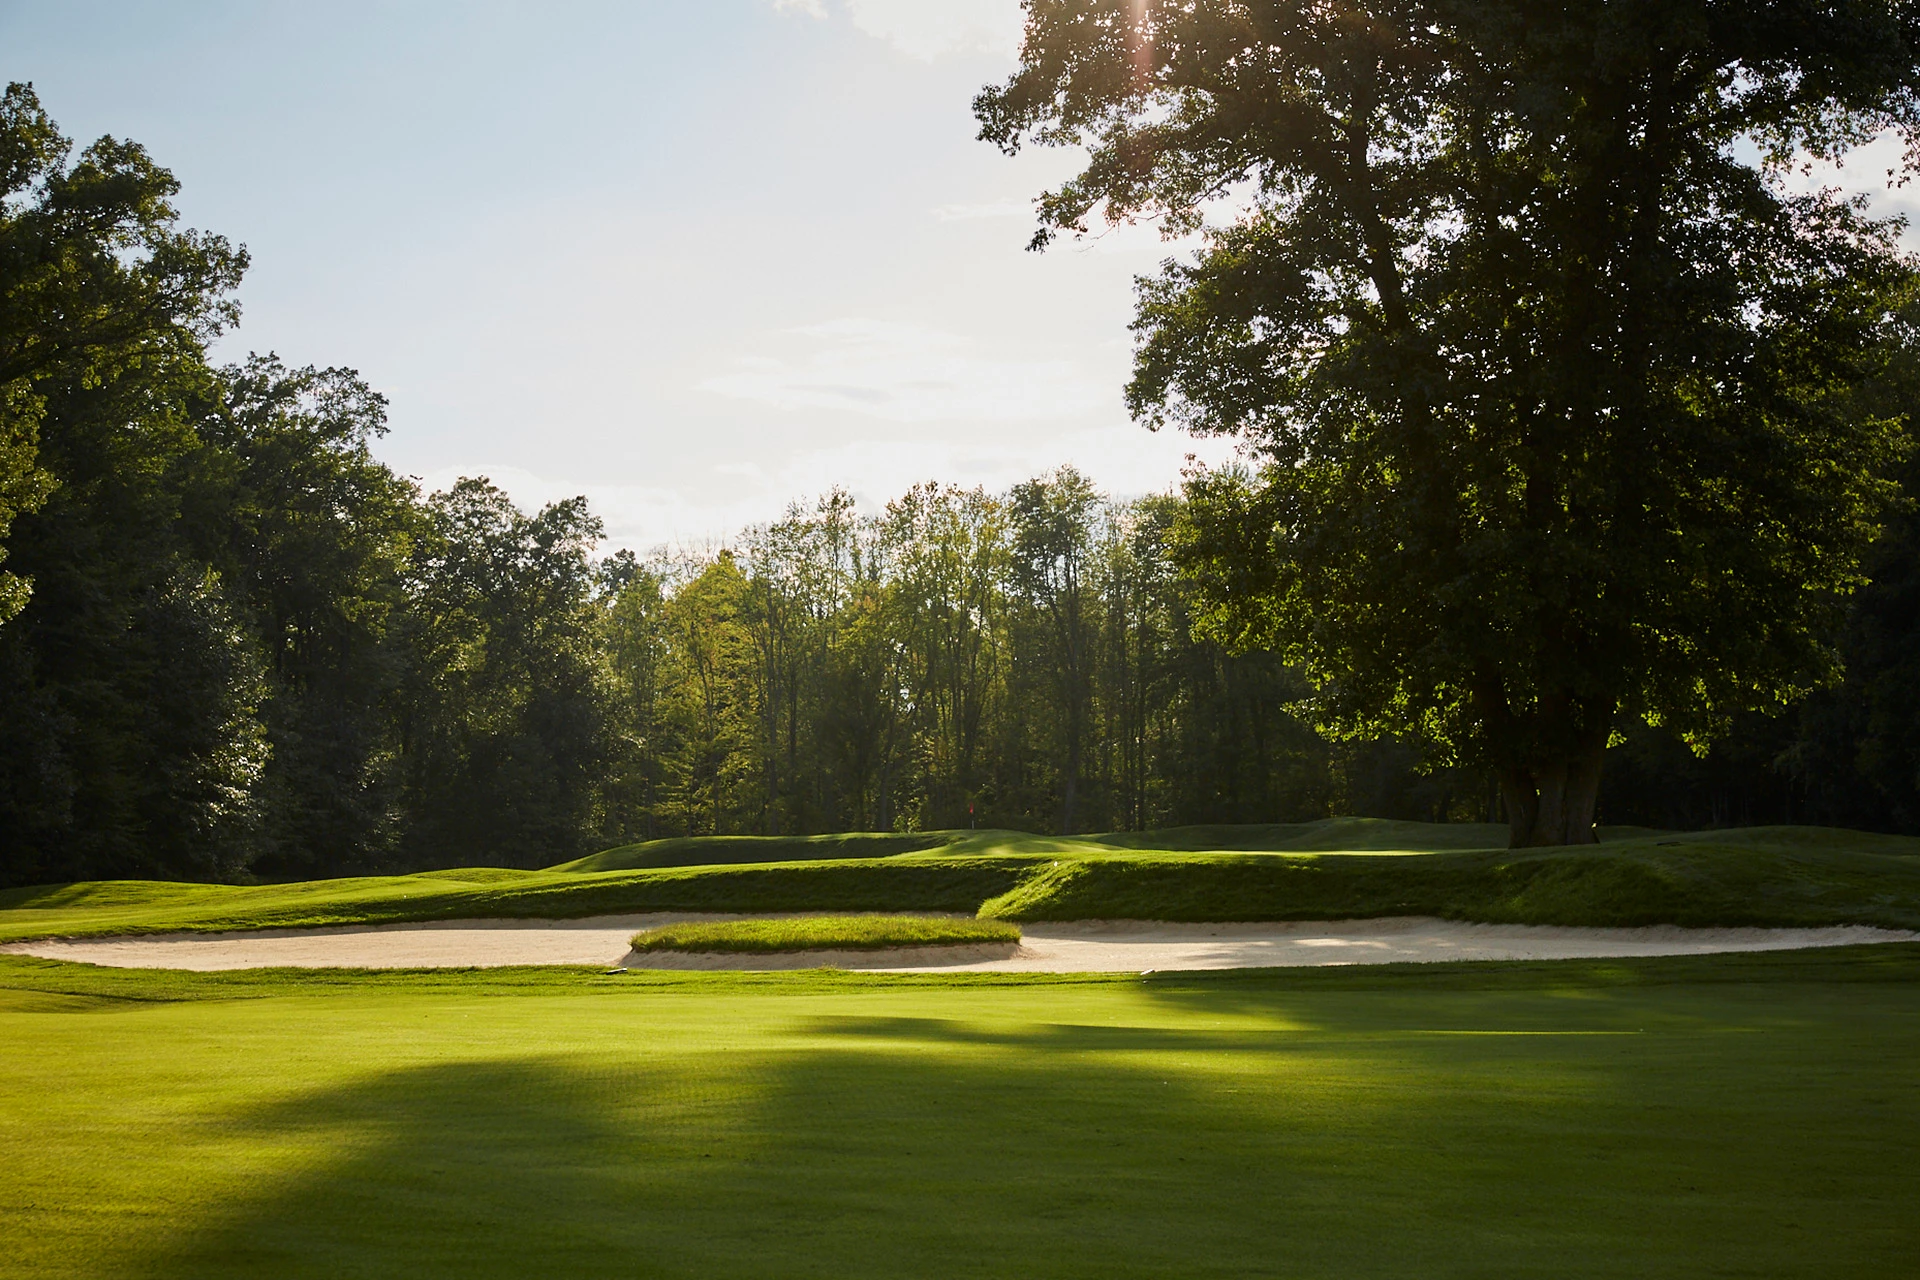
1552	381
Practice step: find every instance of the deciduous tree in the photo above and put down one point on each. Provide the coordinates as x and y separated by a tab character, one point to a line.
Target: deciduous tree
95	274
1552	381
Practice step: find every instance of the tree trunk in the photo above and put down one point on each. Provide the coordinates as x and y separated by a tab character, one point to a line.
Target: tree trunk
1551	802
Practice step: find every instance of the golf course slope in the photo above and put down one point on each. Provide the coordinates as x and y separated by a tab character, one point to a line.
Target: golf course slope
1746	1112
1777	877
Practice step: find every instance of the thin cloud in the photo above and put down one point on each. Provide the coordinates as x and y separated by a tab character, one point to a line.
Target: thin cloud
909	374
926	29
995	209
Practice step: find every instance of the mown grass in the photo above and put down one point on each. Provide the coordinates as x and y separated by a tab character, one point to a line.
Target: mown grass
824	933
705	851
1737	1115
1778	876
1698	881
135	906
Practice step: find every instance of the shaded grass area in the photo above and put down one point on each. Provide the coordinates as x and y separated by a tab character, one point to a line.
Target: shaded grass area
1777	876
1333	835
1706	1115
824	933
1349	834
1328	834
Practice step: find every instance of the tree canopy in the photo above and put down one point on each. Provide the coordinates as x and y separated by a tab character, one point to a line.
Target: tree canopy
94	277
1553	381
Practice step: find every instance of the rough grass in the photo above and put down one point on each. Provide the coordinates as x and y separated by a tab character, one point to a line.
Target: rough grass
705	851
1735	1115
1780	876
1353	834
141	906
1773	878
825	933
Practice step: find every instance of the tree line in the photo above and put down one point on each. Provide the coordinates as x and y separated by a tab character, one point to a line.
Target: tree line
1020	659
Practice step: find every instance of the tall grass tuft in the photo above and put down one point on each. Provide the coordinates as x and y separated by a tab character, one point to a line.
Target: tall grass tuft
825	933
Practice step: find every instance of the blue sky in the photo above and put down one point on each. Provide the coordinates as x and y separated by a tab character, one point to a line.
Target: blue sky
693	259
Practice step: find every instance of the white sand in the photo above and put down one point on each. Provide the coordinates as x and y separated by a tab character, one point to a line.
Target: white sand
1093	946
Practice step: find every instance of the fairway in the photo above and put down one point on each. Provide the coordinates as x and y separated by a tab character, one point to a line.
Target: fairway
1736	1115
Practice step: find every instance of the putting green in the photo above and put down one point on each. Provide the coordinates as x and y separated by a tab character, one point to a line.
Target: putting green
1737	1115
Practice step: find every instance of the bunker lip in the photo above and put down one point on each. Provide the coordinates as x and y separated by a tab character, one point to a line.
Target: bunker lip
1086	946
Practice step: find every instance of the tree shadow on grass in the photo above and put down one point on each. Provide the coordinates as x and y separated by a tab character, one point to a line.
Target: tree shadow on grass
898	1147
1059	1037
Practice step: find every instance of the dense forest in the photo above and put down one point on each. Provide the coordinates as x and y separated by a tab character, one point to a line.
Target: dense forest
234	643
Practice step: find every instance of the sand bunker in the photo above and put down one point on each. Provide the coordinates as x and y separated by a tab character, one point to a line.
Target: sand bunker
1094	946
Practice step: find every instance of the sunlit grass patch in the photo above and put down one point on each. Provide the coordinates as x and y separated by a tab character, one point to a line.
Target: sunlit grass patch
825	933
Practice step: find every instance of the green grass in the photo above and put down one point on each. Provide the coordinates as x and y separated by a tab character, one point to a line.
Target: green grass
1698	880
1783	876
1352	834
825	933
1333	835
706	851
1737	1115
140	906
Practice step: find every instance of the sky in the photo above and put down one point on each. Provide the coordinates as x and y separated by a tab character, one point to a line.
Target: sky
695	260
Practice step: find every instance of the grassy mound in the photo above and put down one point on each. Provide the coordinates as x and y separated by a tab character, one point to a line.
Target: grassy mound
711	851
1334	835
1767	877
148	906
1371	835
1780	876
825	933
